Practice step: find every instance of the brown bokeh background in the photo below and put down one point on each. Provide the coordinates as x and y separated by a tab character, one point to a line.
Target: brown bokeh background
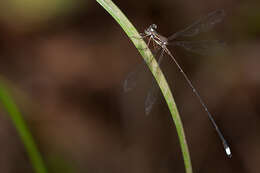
66	61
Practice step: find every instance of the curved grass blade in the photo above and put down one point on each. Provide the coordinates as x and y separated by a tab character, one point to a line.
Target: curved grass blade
153	92
130	30
22	129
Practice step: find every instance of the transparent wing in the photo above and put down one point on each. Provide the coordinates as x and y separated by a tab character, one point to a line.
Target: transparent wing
153	91
201	25
151	98
203	47
131	79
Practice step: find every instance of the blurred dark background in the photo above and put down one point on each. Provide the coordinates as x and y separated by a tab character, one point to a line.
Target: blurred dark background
66	61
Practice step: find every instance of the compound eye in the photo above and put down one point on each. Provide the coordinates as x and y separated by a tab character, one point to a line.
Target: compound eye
154	26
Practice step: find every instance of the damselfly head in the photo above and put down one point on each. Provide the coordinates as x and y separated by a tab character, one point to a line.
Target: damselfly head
153	26
150	29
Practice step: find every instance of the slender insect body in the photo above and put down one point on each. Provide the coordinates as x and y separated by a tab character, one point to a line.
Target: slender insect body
162	42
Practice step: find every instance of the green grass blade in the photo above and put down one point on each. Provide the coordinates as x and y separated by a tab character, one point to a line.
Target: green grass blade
132	33
21	127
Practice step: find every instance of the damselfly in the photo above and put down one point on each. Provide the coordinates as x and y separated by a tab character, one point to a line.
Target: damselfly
201	25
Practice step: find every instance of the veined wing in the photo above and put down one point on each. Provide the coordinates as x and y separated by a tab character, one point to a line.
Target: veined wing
201	25
203	47
131	79
153	92
151	97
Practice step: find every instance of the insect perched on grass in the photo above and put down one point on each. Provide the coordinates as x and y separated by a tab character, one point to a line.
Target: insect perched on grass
201	25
